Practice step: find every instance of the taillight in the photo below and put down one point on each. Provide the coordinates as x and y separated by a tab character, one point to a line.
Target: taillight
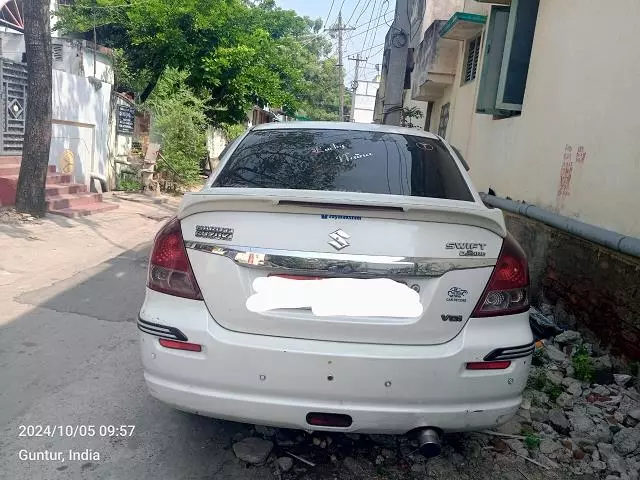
508	289
169	268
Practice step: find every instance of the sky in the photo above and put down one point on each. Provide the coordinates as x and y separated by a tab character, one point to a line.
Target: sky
367	16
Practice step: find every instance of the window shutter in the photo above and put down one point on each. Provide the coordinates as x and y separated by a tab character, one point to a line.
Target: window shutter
492	60
517	54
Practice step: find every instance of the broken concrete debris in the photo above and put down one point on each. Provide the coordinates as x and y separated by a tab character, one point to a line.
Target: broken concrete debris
570	421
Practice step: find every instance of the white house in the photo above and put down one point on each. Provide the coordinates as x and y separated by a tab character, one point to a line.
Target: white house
83	142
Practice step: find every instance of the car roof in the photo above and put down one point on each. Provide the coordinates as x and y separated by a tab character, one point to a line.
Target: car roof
363	127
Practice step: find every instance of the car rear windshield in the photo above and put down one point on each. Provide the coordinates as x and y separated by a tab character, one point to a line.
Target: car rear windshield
345	160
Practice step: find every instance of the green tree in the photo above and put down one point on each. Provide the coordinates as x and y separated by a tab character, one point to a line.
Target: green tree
409	113
241	53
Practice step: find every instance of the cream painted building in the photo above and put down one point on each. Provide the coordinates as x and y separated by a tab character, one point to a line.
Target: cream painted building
541	97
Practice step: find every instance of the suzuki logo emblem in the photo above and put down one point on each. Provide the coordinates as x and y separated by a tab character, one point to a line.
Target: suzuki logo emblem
339	239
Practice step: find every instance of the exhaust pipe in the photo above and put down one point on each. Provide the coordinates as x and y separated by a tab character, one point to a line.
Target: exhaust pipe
429	442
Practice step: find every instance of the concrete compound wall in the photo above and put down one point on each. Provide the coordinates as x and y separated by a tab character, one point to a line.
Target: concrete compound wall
597	287
74	56
80	131
216	142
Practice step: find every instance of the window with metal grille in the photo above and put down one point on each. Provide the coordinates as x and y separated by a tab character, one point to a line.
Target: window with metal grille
444	120
471	60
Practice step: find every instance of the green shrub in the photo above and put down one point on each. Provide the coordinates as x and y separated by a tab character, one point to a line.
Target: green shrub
583	365
554	391
526	430
233	131
179	120
532	442
130	185
129	180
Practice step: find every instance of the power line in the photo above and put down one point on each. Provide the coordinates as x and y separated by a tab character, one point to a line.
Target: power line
364	24
370	21
352	36
377	24
364	43
353	12
362	32
364	10
385	20
342	5
375	46
330	10
378	51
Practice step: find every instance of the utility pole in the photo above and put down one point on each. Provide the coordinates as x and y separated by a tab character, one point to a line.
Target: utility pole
358	61
340	70
397	66
340	28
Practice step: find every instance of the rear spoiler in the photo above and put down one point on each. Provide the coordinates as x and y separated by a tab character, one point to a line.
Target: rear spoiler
337	203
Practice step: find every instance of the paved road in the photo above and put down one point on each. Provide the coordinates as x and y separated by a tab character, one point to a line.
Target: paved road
69	356
74	360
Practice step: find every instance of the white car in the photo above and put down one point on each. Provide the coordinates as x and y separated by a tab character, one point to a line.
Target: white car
343	277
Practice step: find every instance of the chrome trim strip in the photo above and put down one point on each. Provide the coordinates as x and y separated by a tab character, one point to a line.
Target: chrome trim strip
338	264
509	353
157	334
514	356
158	329
162	331
155	331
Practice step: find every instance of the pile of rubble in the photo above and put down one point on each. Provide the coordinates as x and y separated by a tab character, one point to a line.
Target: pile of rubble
10	216
580	418
578	413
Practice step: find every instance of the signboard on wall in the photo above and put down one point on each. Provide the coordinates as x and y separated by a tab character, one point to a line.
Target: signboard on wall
125	120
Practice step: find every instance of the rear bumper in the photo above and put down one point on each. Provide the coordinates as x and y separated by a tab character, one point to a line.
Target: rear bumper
291	413
384	388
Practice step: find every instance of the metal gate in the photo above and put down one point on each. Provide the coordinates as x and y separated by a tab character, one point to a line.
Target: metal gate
13	103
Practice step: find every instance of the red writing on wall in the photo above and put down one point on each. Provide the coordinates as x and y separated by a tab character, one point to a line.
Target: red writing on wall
566	170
